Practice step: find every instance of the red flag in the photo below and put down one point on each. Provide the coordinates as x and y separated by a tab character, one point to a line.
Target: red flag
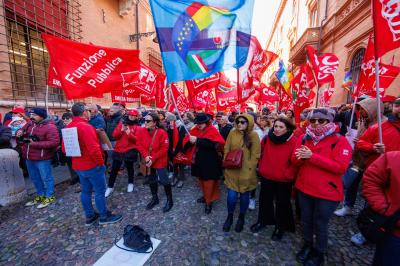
386	19
267	94
225	94
144	81
324	66
326	99
366	69
125	95
302	85
162	96
181	101
52	78
197	85
202	100
89	70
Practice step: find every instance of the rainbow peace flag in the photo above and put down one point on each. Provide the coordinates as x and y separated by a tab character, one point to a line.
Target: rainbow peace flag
284	77
348	81
199	38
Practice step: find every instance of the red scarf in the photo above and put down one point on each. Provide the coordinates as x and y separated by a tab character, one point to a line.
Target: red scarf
209	132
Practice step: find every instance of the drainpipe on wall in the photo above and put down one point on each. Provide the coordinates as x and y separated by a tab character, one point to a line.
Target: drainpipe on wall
320	27
137	22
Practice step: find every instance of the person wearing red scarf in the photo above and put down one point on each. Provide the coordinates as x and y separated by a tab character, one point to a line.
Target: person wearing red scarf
207	145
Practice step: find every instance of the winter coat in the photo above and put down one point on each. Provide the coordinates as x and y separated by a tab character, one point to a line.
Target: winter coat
381	185
390	137
159	153
111	124
98	122
125	142
207	153
49	140
275	162
321	175
224	131
5	137
245	178
91	152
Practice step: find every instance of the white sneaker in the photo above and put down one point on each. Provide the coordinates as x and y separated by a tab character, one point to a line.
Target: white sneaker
170	175
109	190
358	239
130	188
346	210
252	204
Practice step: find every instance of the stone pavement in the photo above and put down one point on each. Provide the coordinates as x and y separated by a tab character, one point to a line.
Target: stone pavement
57	235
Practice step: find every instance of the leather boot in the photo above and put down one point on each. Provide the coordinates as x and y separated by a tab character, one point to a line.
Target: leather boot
239	223
304	252
315	258
154	200
228	223
169	203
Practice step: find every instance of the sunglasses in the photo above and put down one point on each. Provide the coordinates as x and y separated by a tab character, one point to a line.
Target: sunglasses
148	121
242	122
320	121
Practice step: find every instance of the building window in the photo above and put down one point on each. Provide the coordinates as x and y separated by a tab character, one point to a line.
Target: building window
313	17
25	21
355	69
155	62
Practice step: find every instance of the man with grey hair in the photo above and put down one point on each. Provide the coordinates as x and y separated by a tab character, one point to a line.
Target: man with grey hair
90	168
224	126
96	119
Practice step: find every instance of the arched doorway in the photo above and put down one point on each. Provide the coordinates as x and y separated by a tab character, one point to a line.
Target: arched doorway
355	69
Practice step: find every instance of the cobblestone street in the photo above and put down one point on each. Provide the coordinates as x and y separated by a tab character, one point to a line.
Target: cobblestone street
57	235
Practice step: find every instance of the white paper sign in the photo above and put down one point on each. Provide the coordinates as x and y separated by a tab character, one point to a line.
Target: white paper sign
351	135
71	142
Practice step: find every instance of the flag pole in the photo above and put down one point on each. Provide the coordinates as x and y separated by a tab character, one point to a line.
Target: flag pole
352	112
46	103
176	107
377	86
237	88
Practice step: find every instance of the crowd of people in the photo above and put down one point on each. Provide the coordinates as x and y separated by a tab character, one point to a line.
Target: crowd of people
314	165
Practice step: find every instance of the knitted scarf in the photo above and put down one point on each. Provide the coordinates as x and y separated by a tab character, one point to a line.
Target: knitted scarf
319	133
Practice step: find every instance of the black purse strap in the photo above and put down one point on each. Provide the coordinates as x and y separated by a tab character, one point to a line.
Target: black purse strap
392	220
131	250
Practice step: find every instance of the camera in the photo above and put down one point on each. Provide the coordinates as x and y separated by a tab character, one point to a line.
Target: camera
29	138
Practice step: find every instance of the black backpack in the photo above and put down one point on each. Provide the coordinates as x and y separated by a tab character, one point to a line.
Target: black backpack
136	239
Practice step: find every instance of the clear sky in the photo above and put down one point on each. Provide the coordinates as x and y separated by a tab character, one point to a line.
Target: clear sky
263	18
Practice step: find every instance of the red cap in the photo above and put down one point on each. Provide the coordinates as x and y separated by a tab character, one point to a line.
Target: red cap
18	111
133	113
388	99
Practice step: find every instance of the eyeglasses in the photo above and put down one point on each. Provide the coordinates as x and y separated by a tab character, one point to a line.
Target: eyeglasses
148	121
242	122
320	121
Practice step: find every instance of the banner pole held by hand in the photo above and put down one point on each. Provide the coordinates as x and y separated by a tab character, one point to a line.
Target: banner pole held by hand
176	107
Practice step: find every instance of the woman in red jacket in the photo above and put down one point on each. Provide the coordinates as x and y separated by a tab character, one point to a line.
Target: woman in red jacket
153	146
277	174
125	149
322	157
381	189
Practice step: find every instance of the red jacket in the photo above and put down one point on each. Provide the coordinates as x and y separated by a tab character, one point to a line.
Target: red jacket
381	185
275	161
390	137
49	140
321	175
160	144
91	152
125	142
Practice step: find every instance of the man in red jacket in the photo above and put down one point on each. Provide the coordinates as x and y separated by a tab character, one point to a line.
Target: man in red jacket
90	168
41	139
381	188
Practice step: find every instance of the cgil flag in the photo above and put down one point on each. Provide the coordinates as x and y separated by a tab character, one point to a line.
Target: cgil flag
199	38
284	77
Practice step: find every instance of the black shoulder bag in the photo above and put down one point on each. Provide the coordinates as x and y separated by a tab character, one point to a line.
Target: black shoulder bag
136	240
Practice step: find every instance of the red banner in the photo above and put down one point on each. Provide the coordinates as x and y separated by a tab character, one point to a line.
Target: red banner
324	66
181	101
302	85
197	85
52	78
125	95
89	70
386	18
267	94
225	94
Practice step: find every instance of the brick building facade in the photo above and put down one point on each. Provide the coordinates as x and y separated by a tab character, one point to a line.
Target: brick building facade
341	27
24	58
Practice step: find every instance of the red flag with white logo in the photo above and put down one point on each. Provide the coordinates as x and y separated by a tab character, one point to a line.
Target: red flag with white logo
181	101
386	18
324	66
89	70
197	85
225	94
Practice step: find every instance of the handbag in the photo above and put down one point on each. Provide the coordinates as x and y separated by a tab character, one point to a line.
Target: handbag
233	159
136	240
181	158
374	226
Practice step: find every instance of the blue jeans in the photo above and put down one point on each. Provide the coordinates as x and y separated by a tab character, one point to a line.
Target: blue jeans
351	192
387	253
93	179
39	172
232	199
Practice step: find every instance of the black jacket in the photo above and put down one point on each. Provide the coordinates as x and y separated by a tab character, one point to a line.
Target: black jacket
5	137
111	124
224	131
